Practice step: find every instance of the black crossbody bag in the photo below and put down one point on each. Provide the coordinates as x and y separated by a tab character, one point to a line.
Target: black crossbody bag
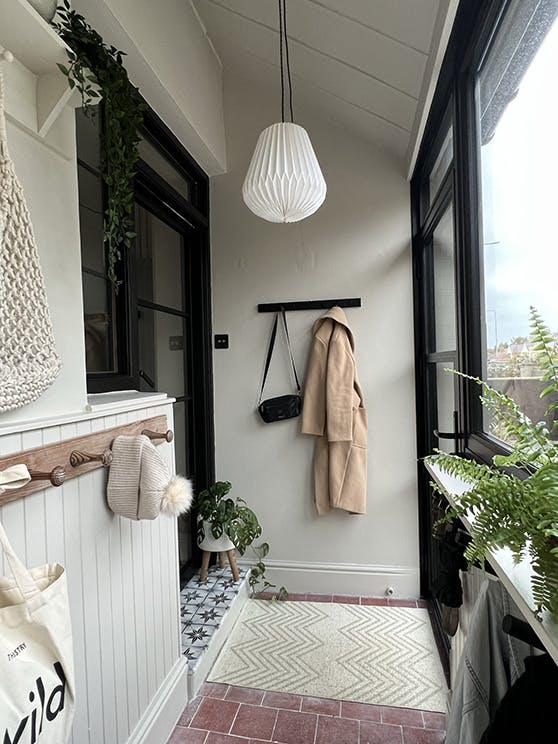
283	406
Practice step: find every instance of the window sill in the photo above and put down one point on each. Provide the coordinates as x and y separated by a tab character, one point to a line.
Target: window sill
124	400
515	577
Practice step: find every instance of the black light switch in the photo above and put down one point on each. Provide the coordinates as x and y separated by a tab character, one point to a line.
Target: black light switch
221	340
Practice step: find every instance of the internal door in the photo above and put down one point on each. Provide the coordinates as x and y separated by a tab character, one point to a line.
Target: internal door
164	336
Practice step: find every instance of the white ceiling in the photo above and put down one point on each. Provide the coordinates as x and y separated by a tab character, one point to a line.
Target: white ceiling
369	64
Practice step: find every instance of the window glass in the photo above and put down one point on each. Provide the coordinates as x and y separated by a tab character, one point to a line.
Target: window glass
100	342
518	110
161	351
441	164
159	251
165	168
443	254
445	403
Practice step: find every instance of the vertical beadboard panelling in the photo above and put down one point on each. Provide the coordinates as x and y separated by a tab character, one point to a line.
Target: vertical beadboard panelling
12	514
34	511
122	581
54	510
76	591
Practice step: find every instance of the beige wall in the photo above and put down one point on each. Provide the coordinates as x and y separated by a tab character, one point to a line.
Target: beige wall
172	62
357	245
49	183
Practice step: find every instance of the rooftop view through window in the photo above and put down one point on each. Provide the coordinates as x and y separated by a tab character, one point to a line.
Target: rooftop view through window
519	161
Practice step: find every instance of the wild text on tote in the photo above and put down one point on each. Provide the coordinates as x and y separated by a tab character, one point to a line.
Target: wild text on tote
48	709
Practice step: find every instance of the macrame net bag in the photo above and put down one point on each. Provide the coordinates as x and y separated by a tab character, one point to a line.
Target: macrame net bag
28	359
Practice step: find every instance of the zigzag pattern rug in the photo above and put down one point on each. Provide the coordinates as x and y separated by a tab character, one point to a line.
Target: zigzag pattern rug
368	654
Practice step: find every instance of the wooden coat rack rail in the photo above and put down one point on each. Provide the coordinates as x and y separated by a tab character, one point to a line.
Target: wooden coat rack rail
62	461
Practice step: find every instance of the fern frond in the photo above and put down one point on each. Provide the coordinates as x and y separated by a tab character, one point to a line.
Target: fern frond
547	356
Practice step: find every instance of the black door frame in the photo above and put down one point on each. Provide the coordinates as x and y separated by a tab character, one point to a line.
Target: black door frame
454	102
191	219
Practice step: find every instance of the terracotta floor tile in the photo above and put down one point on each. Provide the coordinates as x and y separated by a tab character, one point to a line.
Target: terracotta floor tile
214	690
422	736
254	721
189	712
337	731
245	695
346	599
282	700
402	716
434	720
319	597
224	739
215	715
293	597
187	736
380	733
402	603
295	728
376	601
321	705
361	711
423	603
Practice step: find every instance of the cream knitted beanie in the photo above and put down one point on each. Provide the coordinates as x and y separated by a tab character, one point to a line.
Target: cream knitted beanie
140	485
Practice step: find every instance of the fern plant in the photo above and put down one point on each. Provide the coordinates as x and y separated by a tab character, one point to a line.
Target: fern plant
514	501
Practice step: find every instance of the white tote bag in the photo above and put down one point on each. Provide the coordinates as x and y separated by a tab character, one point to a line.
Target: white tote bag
36	662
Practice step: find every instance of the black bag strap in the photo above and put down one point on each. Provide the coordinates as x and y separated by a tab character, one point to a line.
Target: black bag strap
270	352
290	350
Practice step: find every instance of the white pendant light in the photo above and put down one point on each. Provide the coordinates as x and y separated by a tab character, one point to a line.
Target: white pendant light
284	182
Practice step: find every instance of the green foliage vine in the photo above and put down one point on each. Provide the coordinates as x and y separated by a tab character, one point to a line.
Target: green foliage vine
514	500
97	72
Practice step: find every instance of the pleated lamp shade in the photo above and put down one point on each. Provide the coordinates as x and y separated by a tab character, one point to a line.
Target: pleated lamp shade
284	182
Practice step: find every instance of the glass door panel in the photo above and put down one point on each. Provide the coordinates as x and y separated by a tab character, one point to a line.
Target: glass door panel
164	341
444	283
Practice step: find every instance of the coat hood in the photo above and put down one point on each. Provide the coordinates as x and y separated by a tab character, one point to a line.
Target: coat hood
336	315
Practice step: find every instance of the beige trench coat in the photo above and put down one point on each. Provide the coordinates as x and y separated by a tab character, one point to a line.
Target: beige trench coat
334	412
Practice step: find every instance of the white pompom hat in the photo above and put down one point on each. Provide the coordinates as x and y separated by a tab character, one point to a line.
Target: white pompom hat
140	485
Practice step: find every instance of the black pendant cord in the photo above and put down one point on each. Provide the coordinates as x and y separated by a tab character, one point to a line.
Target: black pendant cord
281	60
283	39
287	58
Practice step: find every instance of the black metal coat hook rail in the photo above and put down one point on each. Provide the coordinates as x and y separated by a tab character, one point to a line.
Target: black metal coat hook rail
274	307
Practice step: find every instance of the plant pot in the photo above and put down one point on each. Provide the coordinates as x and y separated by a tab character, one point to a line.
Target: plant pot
212	544
45	8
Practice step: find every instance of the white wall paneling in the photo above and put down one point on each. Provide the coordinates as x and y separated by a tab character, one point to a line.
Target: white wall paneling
123	588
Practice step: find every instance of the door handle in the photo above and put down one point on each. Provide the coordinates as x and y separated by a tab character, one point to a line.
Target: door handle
145	376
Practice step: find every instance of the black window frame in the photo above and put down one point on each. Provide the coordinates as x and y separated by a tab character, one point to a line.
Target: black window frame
475	26
195	210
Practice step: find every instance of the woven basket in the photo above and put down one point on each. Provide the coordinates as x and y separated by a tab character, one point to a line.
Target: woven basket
28	359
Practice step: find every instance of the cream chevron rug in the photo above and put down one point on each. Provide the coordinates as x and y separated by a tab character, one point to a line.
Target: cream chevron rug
381	655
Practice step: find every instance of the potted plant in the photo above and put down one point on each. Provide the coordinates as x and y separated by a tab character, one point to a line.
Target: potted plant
225	523
514	500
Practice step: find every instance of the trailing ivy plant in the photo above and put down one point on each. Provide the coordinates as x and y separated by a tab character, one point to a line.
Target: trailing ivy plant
96	71
514	500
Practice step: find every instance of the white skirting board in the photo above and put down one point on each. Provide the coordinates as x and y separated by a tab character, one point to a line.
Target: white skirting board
164	710
349	579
